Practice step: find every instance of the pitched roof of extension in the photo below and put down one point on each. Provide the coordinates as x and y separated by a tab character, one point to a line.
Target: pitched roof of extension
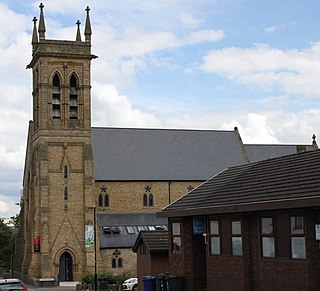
121	221
155	240
131	154
287	182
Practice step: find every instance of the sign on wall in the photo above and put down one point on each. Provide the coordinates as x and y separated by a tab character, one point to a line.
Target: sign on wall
89	236
36	244
198	225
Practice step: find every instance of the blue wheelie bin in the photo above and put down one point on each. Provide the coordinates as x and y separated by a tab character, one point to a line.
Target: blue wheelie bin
149	283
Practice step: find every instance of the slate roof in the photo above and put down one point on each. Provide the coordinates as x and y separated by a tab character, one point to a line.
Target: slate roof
124	239
131	154
162	154
155	241
287	182
267	151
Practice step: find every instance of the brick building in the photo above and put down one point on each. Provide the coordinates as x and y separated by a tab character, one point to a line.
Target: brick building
251	227
78	179
151	248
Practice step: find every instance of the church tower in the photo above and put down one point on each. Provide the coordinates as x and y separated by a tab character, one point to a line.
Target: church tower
58	188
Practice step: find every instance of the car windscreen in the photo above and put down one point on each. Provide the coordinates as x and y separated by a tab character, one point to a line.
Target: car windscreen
11	286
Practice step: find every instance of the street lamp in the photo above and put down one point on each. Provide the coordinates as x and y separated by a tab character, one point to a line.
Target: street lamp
95	245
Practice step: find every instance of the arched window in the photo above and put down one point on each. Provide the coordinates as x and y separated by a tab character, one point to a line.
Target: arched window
114	263
120	263
65	193
145	200
100	200
73	105
65	172
56	98
150	200
106	200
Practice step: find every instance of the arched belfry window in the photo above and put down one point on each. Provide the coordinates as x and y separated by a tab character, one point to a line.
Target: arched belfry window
73	105
56	97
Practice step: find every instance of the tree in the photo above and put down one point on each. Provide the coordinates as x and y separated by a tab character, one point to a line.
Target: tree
7	237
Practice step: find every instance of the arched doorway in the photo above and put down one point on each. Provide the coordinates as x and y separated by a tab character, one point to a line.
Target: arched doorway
65	267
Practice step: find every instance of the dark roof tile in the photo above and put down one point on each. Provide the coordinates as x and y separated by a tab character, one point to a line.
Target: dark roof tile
288	178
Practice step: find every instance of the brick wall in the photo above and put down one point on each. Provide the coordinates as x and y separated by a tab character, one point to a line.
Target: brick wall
250	271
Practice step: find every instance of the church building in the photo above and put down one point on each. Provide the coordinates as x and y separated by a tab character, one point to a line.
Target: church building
88	191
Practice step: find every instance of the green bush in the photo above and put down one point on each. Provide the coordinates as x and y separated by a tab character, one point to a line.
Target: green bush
87	278
114	279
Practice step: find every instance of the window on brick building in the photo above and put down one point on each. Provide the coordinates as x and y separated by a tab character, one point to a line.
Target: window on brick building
267	237
176	236
298	245
215	248
283	236
236	233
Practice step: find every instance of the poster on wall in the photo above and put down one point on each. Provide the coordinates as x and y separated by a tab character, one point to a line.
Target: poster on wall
89	236
198	225
36	244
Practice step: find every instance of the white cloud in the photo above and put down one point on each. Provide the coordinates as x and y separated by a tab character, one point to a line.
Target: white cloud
3	207
189	20
294	71
112	109
271	29
204	36
254	129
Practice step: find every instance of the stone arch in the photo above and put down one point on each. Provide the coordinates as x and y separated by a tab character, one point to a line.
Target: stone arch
74	73
66	264
56	72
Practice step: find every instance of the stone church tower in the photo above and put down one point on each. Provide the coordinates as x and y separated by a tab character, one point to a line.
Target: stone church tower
58	188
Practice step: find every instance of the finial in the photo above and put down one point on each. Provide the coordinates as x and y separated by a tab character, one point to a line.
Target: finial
42	26
87	30
34	33
314	143
78	37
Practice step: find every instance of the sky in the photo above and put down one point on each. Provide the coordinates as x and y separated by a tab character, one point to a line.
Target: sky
193	64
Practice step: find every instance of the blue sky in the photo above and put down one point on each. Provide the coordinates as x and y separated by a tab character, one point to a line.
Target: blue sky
204	64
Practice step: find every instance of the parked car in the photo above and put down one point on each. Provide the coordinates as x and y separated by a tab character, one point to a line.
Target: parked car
12	284
130	284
